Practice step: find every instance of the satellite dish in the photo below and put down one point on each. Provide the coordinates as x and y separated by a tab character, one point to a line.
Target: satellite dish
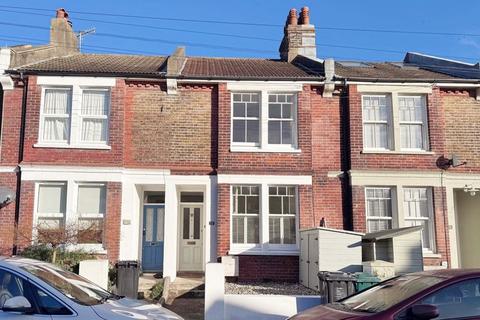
455	161
7	196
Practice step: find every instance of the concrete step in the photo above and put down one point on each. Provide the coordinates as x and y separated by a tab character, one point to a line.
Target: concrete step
186	288
146	282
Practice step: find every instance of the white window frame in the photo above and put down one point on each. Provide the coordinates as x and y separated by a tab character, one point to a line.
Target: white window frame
245	118
71	209
75	125
264	146
430	218
394	216
387	122
92	216
40	215
293	120
398	212
393	93
95	117
281	216
246	245
264	247
43	116
423	123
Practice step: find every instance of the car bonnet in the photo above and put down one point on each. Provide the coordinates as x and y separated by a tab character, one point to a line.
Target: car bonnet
133	309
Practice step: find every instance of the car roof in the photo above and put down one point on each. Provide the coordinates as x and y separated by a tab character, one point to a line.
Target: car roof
449	273
17	261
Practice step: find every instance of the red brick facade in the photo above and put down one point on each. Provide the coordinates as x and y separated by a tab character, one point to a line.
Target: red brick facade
190	133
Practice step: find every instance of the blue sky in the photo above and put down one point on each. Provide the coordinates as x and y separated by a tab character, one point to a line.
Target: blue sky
444	16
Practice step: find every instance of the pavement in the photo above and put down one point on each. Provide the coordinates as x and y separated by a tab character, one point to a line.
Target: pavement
188	308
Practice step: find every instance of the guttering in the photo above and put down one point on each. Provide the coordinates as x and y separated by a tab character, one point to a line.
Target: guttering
357	80
162	75
20	160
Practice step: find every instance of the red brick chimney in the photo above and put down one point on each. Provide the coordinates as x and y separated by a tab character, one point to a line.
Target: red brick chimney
62	36
299	36
61	13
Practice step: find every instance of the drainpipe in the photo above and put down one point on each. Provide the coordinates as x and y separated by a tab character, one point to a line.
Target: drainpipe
20	159
1	109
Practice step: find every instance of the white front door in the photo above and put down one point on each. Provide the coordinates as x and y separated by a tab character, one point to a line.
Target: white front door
191	238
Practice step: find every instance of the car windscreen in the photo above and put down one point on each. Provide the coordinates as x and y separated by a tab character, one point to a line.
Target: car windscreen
389	293
70	284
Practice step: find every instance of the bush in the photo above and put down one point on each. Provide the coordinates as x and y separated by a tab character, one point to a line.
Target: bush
112	278
67	259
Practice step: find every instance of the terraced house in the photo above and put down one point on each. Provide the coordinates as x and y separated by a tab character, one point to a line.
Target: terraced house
178	161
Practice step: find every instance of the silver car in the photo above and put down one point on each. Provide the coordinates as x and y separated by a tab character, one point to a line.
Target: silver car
31	289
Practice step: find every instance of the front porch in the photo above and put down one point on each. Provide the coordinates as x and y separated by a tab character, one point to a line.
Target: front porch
167	223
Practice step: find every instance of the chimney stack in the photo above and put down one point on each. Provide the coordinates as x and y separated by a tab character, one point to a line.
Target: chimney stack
299	36
62	36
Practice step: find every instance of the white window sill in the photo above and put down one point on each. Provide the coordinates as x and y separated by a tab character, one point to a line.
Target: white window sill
71	146
270	149
429	254
416	152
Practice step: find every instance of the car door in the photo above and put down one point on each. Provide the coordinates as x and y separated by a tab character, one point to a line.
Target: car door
460	300
13	285
46	304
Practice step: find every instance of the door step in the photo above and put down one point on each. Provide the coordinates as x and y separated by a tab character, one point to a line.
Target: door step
186	288
146	282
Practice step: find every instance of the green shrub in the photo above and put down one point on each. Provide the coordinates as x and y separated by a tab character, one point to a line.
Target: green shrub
112	277
156	291
67	259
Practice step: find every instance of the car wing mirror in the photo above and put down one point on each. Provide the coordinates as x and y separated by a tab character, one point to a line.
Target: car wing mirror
424	311
17	304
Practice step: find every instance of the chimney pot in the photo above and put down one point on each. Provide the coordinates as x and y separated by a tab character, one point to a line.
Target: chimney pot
305	15
292	17
61	13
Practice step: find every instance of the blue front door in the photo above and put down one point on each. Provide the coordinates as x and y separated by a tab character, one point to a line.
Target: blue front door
153	230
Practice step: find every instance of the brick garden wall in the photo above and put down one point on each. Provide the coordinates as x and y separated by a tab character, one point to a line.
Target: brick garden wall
268	268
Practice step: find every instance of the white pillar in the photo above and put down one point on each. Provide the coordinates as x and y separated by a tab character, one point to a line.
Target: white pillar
214	292
171	227
452	227
211	254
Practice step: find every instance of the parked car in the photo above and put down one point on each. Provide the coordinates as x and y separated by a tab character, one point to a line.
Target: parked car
31	289
442	294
